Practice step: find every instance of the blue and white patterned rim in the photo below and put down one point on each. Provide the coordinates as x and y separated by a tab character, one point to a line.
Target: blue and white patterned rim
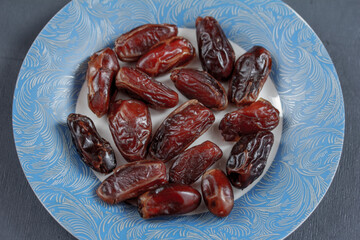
50	79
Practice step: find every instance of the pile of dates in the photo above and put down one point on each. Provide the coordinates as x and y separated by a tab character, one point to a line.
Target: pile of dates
156	49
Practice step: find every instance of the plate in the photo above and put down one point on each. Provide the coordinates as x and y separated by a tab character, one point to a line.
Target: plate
303	74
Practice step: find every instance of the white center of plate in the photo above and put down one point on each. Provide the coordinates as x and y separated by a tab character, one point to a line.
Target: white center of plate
213	134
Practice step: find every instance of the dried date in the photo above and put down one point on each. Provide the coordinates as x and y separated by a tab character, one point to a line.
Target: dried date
200	85
131	180
249	76
166	55
189	165
132	45
95	151
258	116
169	199
215	51
182	127
248	158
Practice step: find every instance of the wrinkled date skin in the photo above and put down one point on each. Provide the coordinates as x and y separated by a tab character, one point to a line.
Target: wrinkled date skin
132	45
131	180
182	127
141	86
101	72
166	55
217	192
169	199
130	127
200	85
216	54
94	150
188	166
258	116
249	76
248	158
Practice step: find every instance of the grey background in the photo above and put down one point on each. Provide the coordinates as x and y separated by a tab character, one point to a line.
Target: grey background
337	23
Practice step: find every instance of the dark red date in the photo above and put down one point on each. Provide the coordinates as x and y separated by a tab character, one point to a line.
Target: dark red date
146	88
131	180
200	85
248	158
169	199
181	128
130	126
166	55
215	51
217	192
258	116
132	45
188	166
94	150
249	76
101	72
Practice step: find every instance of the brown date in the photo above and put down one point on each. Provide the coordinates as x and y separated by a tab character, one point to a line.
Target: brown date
131	180
258	116
200	85
216	54
146	88
169	199
217	192
189	165
248	158
167	54
132	45
249	76
94	150
102	69
182	127
130	127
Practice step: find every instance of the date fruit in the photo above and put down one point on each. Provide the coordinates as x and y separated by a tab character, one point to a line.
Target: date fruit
132	45
130	127
168	199
131	180
94	150
258	116
249	76
216	54
200	85
217	192
166	55
188	166
101	72
181	128
146	88
248	158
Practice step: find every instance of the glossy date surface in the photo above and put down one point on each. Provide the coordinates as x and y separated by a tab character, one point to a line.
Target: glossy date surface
146	88
166	55
95	151
215	51
182	127
258	116
131	180
130	126
132	45
248	158
249	76
169	199
101	72
189	165
200	85
217	192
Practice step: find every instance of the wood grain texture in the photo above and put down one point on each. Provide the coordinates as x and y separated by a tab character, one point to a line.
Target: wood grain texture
22	216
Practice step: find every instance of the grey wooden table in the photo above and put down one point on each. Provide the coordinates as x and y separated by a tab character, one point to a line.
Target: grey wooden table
337	23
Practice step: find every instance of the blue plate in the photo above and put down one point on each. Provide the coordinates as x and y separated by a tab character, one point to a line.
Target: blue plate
313	131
